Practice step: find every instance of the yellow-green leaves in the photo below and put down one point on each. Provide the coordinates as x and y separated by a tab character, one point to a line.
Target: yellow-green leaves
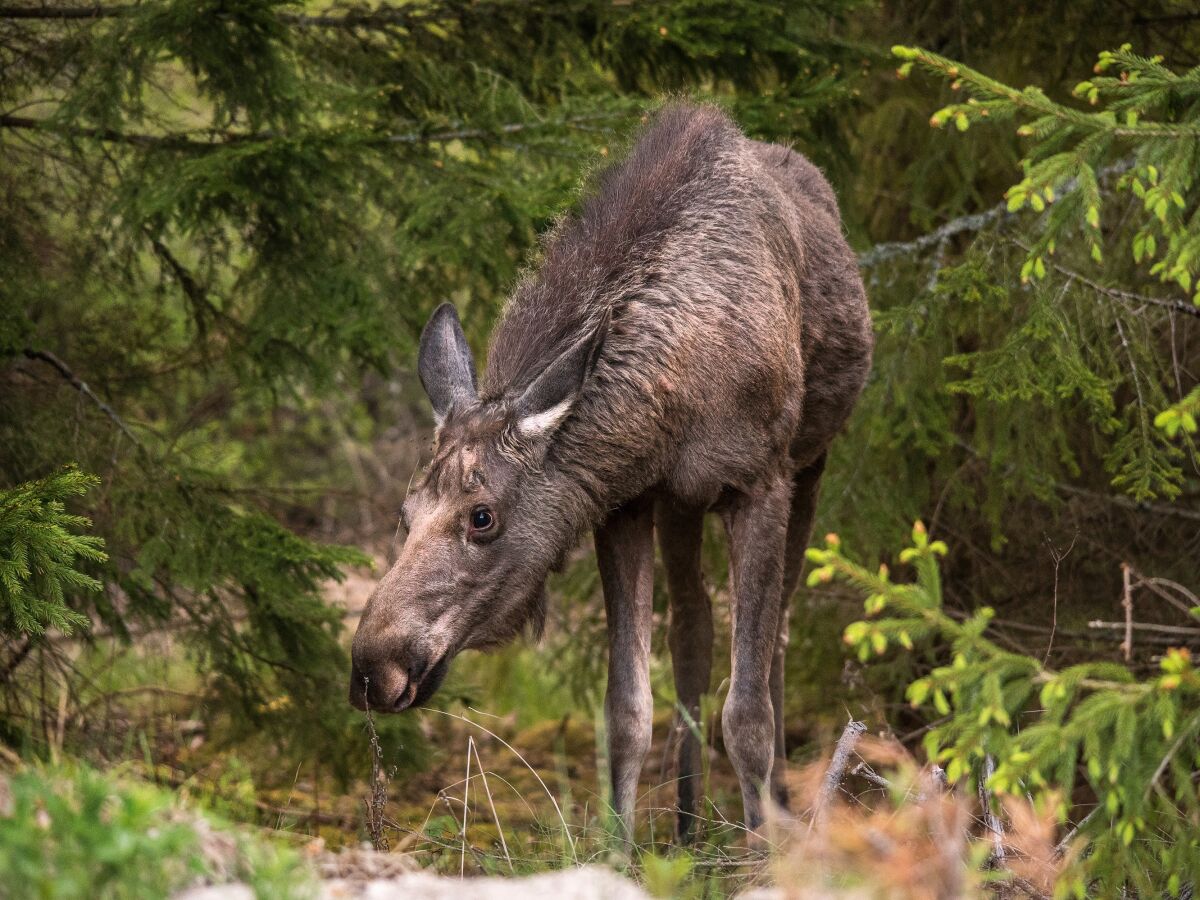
1180	418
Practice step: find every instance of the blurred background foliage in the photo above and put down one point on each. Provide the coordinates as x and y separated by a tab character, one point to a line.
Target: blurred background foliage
225	221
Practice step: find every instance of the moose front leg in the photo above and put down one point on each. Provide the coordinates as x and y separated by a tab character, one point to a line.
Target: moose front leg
757	524
625	555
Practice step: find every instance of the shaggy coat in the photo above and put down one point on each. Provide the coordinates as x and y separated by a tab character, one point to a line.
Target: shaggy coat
691	341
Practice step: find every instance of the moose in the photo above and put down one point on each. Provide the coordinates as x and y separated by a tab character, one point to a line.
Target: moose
692	341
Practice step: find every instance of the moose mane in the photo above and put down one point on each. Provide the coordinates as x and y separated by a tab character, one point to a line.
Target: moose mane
594	261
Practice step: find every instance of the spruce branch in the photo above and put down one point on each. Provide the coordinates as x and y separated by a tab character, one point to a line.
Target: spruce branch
223	139
82	386
382	17
1179	306
65	13
1132	740
968	224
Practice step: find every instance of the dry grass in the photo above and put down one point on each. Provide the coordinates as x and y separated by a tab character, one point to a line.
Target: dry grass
893	831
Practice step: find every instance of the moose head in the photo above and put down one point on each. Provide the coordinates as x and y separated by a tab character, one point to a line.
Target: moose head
485	524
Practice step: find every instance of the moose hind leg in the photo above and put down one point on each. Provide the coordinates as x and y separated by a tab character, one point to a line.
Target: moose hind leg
800	522
690	635
757	525
625	555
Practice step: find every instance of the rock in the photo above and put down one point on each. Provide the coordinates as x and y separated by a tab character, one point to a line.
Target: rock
236	891
587	883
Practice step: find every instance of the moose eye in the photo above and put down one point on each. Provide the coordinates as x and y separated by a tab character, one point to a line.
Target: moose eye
482	519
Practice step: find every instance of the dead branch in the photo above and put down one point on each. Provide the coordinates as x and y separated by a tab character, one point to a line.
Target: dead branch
1127	603
837	767
18	656
376	800
80	385
1181	630
379	18
1165	509
862	770
938	775
1160	586
222	139
64	12
1061	847
1182	306
990	820
969	223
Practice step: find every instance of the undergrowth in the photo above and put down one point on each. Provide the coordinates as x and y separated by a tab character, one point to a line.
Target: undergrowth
71	832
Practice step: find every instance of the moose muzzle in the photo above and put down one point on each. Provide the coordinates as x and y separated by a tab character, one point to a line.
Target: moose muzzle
390	677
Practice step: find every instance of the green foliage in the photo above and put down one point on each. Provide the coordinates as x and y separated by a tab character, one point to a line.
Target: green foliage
1149	130
1012	384
230	224
1180	418
40	554
1132	744
227	219
75	833
1147	111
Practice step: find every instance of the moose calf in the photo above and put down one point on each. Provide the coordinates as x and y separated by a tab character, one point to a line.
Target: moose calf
691	342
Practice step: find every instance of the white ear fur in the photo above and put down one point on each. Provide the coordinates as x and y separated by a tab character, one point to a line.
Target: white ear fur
546	421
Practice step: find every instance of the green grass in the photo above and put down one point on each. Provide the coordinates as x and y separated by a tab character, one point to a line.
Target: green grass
69	831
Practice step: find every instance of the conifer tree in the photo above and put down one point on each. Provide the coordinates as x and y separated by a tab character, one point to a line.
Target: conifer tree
220	214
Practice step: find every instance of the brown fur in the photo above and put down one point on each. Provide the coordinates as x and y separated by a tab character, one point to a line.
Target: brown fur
692	341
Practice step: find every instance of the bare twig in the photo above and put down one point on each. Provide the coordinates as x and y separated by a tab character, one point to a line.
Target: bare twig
1182	306
1157	586
970	223
862	770
1127	603
1185	734
1061	847
939	778
377	799
18	656
64	12
80	385
221	139
990	820
382	17
1165	509
837	768
1058	558
1130	626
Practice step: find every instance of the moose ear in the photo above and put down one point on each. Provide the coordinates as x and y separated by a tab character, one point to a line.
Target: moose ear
549	398
444	363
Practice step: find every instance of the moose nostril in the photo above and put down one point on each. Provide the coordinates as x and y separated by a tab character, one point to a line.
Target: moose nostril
417	669
379	688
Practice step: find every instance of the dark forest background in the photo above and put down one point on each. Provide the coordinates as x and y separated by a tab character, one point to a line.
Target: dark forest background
224	223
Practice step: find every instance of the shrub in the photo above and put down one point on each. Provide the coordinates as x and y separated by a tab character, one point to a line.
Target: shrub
77	833
1132	745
